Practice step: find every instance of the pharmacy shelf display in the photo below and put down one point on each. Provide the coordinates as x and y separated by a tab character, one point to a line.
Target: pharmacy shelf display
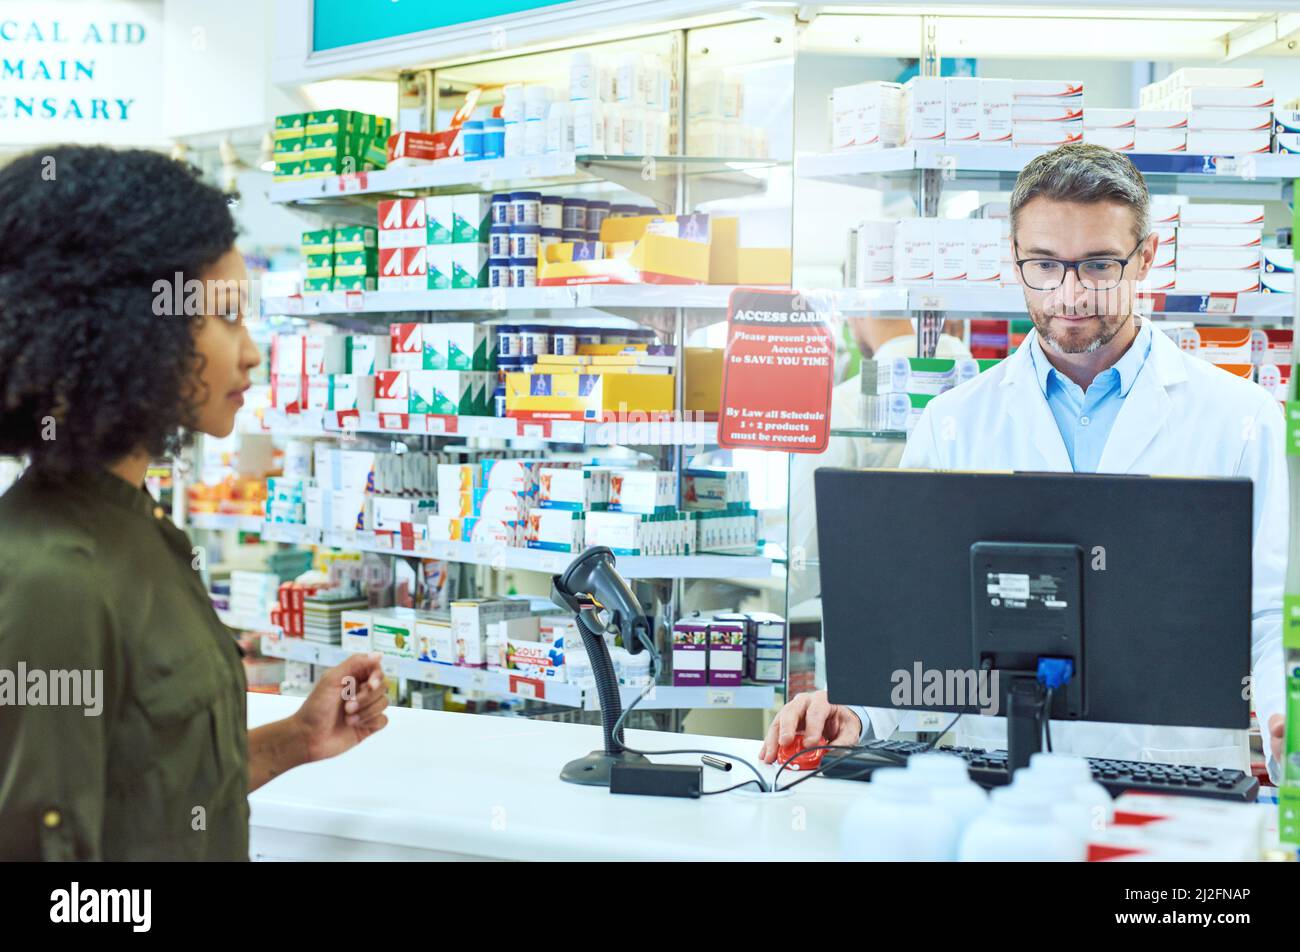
219	521
597	297
632	432
509	683
533	171
856	167
704	565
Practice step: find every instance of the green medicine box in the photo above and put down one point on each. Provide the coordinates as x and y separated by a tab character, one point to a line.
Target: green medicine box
320	266
290	124
285	171
350	264
317	285
354	283
318	242
356	238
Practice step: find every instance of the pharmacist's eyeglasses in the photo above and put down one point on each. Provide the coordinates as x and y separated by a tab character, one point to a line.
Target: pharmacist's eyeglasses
1095	274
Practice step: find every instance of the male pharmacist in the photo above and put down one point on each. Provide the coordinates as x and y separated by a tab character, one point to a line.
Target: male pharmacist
1095	389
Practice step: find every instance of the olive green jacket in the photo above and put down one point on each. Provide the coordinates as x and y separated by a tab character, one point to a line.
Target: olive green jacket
97	583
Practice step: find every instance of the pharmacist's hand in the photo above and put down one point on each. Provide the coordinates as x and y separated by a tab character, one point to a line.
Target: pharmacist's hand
811	716
1276	731
344	708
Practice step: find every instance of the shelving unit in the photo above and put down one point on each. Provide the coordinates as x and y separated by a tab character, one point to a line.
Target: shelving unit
511	684
218	521
704	565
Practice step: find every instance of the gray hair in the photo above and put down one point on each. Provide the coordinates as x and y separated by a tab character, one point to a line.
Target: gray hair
1085	173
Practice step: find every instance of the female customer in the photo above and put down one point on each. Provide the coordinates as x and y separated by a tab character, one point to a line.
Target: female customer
130	741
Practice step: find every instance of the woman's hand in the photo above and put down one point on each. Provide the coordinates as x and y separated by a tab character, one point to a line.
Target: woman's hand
345	707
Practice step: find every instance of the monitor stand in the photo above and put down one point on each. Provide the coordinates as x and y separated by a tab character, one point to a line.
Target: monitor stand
1026	699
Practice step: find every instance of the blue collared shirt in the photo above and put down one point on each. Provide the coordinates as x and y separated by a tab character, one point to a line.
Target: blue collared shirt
1084	417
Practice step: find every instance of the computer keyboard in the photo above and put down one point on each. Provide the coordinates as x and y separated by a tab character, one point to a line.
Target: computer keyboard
988	768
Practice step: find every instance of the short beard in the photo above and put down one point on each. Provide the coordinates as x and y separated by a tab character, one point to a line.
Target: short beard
1111	325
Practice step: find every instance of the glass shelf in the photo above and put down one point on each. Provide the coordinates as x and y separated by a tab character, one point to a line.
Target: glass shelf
900	435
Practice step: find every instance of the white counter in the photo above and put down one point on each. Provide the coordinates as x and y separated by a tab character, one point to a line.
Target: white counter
435	785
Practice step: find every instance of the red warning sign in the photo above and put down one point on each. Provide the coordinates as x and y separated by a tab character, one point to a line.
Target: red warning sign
777	373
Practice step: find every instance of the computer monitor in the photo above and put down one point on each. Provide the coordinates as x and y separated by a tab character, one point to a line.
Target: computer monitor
1142	583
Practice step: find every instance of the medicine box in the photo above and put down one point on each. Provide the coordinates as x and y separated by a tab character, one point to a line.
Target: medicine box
962	110
406	347
366	353
866	115
1229	143
1196	258
726	652
1121	139
995	111
438	220
875	253
914	250
434	641
1222	214
392	393
924	107
690	653
392	632
555	530
1216	281
1219	236
356	632
402	223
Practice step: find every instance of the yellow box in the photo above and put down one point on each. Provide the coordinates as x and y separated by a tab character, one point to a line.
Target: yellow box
724	240
629	229
593	350
591	397
763	266
702	389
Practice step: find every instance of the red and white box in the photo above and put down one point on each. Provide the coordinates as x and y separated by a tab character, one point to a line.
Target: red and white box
405	347
401	223
1219	236
1159	140
1109	118
287	354
925	100
1166	256
1066	110
420	148
414	268
1197	258
324	354
1160	119
1275	378
962	110
392	391
1046	88
391	276
1230	120
1217	281
995	111
318	392
1229	143
1160	279
1241	215
1271	347
1121	140
288	392
1046	133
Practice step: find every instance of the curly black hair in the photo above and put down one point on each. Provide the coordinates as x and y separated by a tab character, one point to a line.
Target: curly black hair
85	232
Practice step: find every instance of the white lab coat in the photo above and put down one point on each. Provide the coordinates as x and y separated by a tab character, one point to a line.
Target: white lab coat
1182	417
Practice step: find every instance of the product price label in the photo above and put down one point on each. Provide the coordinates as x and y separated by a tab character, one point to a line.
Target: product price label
442	424
1221	304
722	699
528	687
539	428
929	302
388	665
394	421
354	182
354	300
777	371
293	304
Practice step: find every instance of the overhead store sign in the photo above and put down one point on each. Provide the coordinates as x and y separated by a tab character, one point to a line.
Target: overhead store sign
777	372
86	72
338	23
